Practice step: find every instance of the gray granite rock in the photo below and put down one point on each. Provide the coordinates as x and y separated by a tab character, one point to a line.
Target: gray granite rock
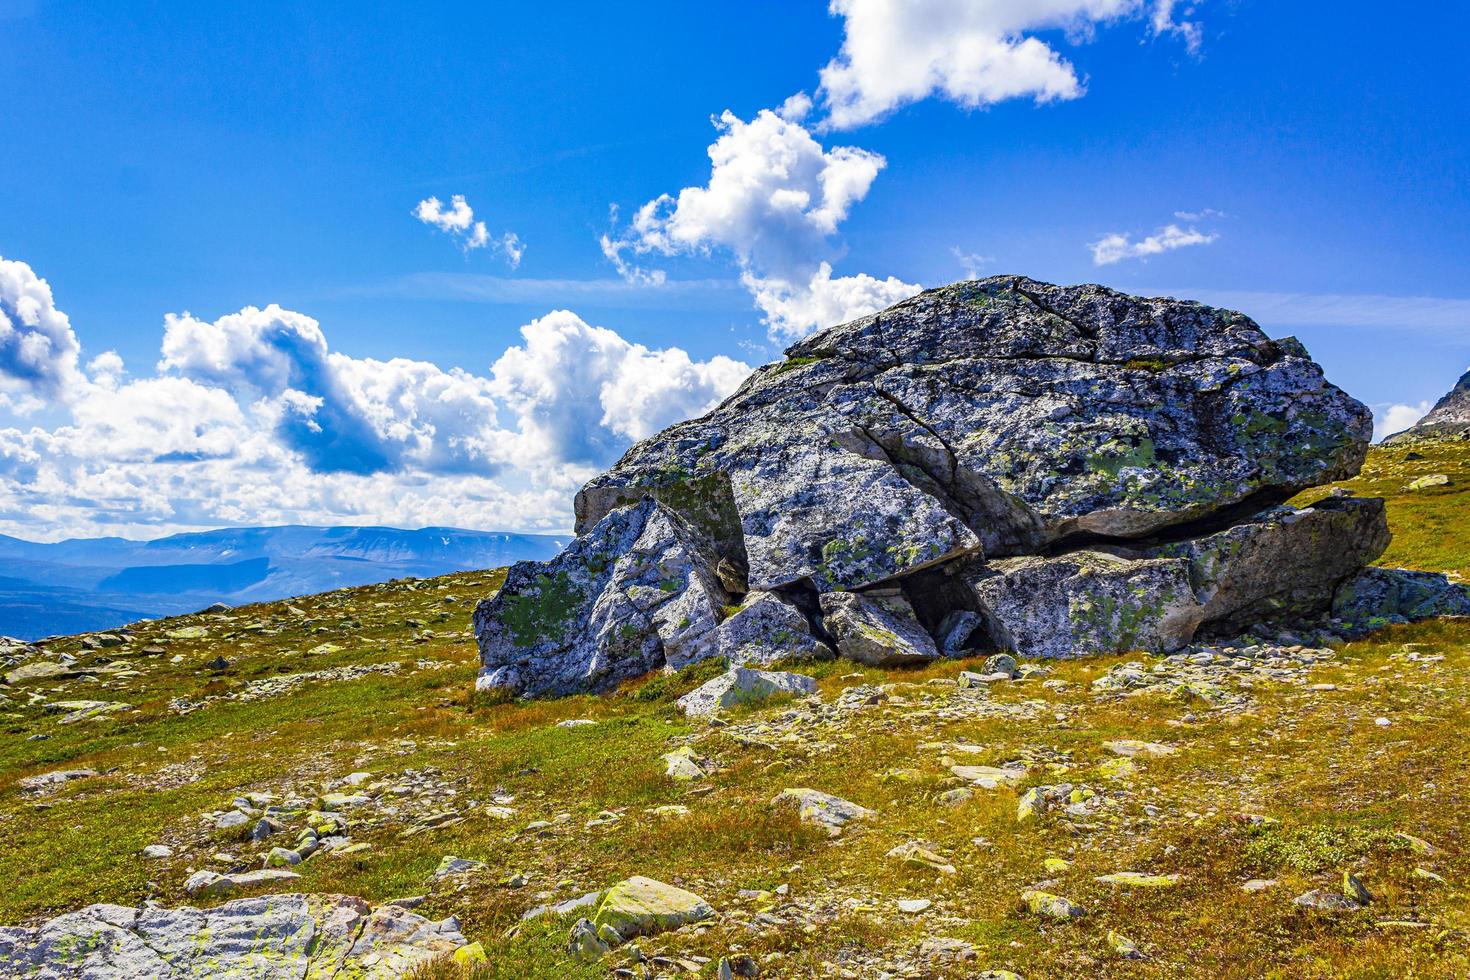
637	592
1000	414
1375	596
266	938
1087	602
742	685
877	628
1282	563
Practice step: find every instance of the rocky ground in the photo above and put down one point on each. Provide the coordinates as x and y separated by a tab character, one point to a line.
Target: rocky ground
1281	805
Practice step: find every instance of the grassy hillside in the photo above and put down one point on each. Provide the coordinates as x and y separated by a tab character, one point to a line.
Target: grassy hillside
1281	771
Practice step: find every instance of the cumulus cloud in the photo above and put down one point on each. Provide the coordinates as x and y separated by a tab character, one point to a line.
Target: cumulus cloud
38	350
972	52
794	310
458	221
1116	247
1389	419
254	418
774	201
582	392
341	413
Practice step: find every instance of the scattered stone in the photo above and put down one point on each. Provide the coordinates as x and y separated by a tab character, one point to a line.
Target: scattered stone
913	906
584	945
831	812
450	865
683	764
156	852
641	906
1124	946
1132	748
1137	879
1428	482
211	883
742	685
1326	901
1258	885
1051	906
990	777
575	723
50	780
1355	890
1001	663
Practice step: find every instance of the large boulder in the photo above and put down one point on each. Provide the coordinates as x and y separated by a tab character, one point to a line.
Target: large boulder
250	938
1052	470
998	415
639	591
1283	563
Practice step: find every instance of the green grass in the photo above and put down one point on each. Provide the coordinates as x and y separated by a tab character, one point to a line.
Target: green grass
1341	787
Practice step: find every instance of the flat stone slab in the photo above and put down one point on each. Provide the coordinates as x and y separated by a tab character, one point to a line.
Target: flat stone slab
267	938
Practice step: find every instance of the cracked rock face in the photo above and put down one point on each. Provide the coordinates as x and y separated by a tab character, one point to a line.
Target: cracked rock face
636	593
998	463
999	415
272	937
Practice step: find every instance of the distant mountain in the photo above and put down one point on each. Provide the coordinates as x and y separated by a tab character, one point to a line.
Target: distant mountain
1450	418
87	584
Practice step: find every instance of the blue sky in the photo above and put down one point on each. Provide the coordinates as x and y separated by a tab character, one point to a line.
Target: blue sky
1302	162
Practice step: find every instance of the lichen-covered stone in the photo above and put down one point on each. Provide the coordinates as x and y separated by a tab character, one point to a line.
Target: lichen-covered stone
876	628
643	907
636	593
1087	602
310	937
741	685
1000	414
766	629
832	813
1282	563
1376	596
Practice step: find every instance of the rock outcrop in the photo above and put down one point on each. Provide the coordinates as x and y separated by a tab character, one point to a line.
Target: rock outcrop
999	463
270	937
1449	419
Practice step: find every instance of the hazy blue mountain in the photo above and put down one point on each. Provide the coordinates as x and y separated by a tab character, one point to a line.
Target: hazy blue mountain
92	583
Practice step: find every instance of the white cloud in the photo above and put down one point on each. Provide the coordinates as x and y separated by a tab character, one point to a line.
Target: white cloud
1116	247
253	418
581	392
972	52
458	221
793	310
775	200
1204	214
971	262
38	350
1164	21
1389	419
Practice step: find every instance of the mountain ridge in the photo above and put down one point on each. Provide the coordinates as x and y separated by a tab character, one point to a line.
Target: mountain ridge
94	583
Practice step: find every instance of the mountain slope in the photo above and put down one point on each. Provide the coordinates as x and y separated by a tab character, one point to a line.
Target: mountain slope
84	584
